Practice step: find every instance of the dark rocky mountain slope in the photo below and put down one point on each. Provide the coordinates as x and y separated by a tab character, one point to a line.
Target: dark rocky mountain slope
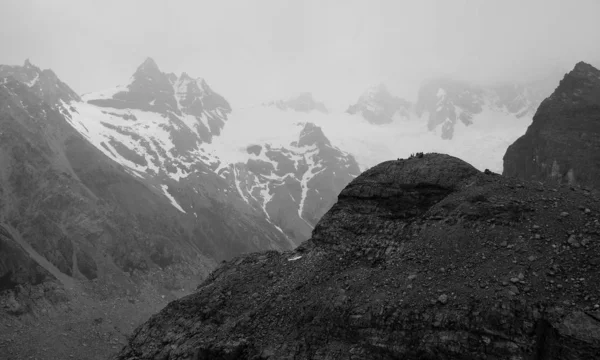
423	258
82	211
74	222
563	142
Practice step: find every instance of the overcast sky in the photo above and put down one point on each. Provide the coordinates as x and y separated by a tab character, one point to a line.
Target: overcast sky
255	50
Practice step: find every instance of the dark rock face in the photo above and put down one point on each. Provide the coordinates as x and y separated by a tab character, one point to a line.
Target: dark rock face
301	103
313	135
378	106
16	266
563	142
425	258
174	97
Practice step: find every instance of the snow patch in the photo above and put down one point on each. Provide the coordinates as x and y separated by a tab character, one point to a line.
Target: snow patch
33	81
171	198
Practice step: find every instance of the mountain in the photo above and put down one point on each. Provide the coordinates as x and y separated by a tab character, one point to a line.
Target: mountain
378	106
421	258
63	196
43	83
167	129
563	142
295	185
77	225
473	122
304	102
446	102
443	103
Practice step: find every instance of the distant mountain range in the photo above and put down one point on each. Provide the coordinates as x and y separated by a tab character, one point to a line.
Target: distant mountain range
276	168
141	158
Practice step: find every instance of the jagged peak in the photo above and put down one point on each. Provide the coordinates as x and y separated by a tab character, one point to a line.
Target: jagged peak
148	65
583	82
312	134
27	63
583	67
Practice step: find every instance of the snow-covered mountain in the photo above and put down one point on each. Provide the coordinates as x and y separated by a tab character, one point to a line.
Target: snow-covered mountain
445	103
295	184
169	130
475	123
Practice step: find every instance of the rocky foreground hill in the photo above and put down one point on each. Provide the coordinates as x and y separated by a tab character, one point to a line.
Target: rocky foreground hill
422	258
563	142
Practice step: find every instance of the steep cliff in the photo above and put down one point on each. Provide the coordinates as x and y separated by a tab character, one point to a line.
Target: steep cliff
423	258
563	142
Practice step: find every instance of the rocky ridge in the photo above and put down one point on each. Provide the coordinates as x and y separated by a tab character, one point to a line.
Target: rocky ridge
420	258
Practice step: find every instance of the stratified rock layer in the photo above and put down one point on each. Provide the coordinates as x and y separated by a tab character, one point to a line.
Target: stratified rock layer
424	258
563	142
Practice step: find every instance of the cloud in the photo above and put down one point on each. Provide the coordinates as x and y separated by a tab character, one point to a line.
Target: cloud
255	50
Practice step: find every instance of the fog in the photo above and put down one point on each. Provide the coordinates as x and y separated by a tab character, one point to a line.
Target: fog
253	51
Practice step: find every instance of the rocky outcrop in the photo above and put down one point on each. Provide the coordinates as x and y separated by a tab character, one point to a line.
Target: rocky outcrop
16	266
424	258
563	142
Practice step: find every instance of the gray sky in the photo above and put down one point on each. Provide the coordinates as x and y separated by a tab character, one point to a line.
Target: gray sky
256	50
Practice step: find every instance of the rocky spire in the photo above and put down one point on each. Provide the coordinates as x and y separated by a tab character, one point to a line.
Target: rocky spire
148	67
312	135
581	83
563	141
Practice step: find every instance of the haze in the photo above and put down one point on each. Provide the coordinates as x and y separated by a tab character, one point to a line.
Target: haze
253	51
